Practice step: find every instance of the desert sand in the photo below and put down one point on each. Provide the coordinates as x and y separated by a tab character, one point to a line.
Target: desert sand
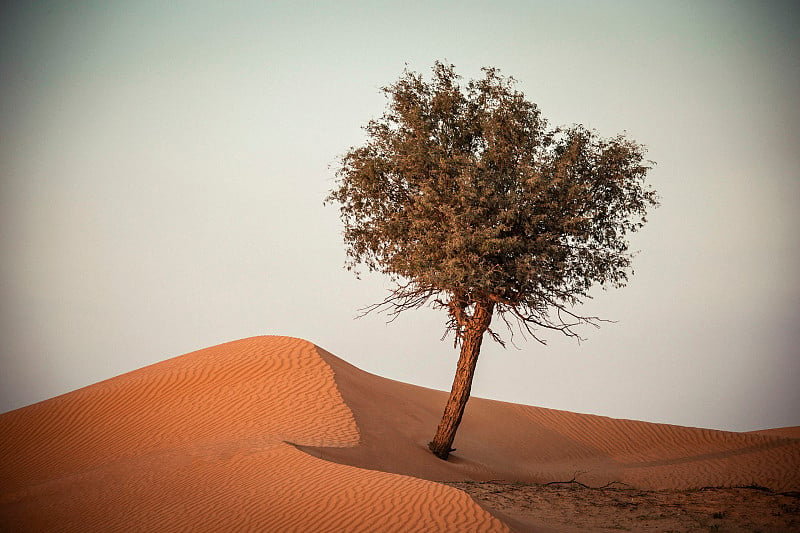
276	434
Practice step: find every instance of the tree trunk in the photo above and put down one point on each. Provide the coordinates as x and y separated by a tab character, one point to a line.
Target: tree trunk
442	442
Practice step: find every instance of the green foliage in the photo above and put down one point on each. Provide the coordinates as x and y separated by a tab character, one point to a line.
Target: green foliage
463	195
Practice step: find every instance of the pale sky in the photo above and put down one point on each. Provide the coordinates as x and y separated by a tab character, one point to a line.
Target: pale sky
163	168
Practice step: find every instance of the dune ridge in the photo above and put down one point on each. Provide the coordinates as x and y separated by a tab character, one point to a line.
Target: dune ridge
791	432
277	434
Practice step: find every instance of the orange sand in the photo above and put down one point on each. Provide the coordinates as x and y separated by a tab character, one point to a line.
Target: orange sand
503	441
214	441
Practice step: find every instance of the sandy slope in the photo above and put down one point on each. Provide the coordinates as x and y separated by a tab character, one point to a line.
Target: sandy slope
503	441
209	442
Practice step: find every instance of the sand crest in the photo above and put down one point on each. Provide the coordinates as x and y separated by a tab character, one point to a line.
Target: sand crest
792	432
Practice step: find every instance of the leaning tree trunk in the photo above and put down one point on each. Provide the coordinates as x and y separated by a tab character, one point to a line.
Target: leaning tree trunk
442	442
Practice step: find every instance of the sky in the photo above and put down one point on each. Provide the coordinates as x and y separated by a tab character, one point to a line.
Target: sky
163	168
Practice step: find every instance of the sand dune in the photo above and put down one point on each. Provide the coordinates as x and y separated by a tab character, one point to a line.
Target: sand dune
275	434
198	443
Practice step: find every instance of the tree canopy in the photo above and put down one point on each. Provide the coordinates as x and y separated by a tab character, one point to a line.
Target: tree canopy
463	194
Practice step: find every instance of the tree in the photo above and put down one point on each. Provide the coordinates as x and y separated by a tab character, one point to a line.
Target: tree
465	198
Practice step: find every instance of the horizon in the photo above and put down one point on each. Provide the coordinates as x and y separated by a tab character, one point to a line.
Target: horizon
164	167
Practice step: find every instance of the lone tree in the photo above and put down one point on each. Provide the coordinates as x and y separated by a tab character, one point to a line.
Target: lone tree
465	198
